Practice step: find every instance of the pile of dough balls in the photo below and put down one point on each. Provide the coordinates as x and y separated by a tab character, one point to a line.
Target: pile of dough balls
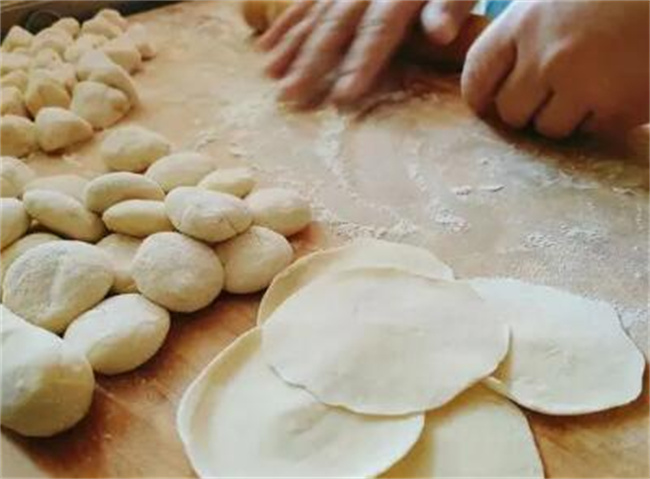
68	80
102	262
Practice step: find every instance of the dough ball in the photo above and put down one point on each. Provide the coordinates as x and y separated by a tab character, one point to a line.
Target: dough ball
121	250
133	148
71	185
138	34
62	74
100	26
207	215
20	247
82	45
180	169
96	66
139	218
17	135
123	52
234	181
64	215
113	16
13	61
11	102
92	60
98	104
57	128
46	386
177	272
17	37
43	92
120	333
107	190
53	283
18	79
14	175
51	38
46	58
14	221
69	24
252	259
281	210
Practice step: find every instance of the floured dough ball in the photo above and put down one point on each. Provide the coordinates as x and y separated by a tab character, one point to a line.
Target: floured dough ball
53	283
46	58
71	185
133	148
14	175
113	16
63	214
180	169
45	92
139	218
96	66
17	136
20	247
13	61
63	74
107	190
82	45
207	215
121	250
234	181
14	221
51	38
18	79
46	386
69	24
57	128
100	26
123	52
98	104
283	211
17	37
252	259
137	32
120	333
177	272
11	102
92	60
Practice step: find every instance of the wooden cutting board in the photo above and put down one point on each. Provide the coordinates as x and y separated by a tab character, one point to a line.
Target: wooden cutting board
414	166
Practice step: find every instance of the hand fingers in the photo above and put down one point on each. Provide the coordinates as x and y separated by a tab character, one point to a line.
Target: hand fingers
522	95
560	117
290	17
443	19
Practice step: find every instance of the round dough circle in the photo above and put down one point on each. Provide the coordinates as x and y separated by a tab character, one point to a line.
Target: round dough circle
180	169
107	190
139	218
177	272
284	431
14	221
283	211
133	148
384	341
14	175
234	181
121	250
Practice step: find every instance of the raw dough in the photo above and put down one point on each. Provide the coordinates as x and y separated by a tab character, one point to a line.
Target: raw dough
12	61
281	210
57	128
42	92
180	169
17	37
51	38
234	181
479	434
98	104
82	45
207	215
71	185
123	52
62	74
14	175
139	218
252	259
569	354
14	221
133	148
20	247
107	190
115	76
18	79
177	272
12	102
69	24
53	283
137	32
46	58
121	250
384	341
113	16
120	333
357	254
17	136
100	26
63	214
90	61
238	419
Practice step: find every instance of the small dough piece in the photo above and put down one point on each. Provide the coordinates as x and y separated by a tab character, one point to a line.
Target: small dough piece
569	354
279	209
120	333
57	128
234	181
476	435
287	433
71	185
360	253
177	272
180	169
20	247
100	26
92	60
14	175
18	79
51	38
121	250
12	102
113	16
96	66
98	104
17	136
112	188
82	45
46	387
12	61
45	92
63	74
411	343
123	52
14	221
139	218
46	58
17	37
52	284
64	215
70	25
207	215
138	34
133	148
252	259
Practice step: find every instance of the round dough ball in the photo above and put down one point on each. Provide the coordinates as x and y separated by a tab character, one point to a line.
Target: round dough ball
11	102
113	16
137	32
53	283
233	181
252	259
107	190
100	26
17	135
64	215
180	169
51	38
139	218
207	215
82	45
20	247
90	61
14	175
46	58
98	104
62	74
17	37
69	24
44	92
46	386
14	221
123	52
177	272
133	148
112	75
281	210
121	250
18	79
71	185
120	333
57	128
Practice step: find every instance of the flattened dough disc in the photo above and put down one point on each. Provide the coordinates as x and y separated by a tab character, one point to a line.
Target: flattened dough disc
238	419
569	354
384	341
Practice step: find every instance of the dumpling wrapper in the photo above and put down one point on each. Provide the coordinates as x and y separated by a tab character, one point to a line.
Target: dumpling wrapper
239	419
384	341
357	254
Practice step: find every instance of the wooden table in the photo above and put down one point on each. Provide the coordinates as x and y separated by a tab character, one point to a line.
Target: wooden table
411	165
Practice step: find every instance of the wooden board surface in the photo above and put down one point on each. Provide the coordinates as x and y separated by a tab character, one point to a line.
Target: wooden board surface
414	166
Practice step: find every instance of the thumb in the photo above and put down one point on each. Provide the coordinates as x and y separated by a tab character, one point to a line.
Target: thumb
443	19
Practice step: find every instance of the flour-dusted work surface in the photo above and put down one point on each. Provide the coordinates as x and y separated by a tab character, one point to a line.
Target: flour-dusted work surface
412	165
